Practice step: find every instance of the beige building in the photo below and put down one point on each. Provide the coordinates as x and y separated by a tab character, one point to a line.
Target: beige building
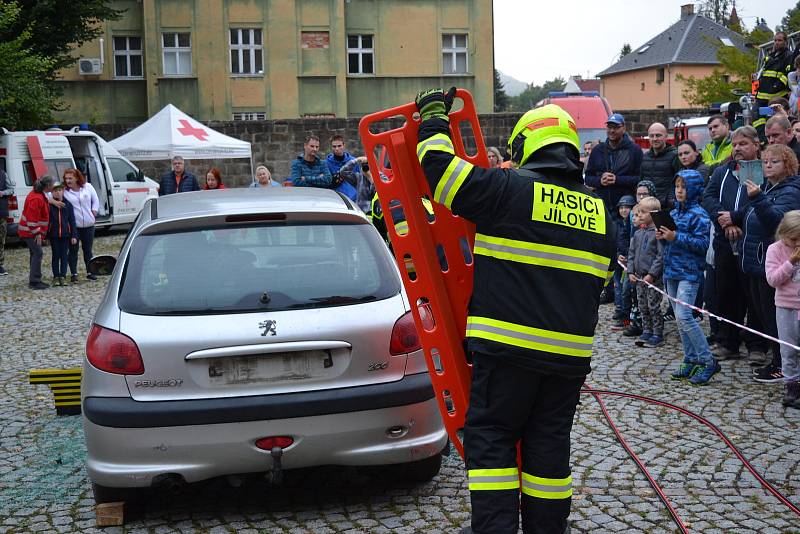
647	78
276	59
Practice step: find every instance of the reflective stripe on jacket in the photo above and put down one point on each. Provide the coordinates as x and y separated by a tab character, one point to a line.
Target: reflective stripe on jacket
773	81
544	245
35	218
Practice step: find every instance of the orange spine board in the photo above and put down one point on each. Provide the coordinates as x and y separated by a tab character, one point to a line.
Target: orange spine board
423	252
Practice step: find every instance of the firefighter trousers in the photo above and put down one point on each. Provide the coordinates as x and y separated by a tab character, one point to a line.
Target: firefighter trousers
508	404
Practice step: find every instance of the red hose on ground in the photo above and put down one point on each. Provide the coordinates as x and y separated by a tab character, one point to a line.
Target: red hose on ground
675	517
597	393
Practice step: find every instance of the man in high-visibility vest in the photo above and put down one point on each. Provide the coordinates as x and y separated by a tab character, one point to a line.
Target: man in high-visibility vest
773	81
544	245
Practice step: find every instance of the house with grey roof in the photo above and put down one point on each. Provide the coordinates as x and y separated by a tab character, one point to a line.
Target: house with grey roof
647	77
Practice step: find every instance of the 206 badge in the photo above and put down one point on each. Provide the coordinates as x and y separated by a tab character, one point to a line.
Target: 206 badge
269	326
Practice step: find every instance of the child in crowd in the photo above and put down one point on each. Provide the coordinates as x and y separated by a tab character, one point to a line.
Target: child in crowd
62	232
622	305
684	257
645	188
645	264
783	273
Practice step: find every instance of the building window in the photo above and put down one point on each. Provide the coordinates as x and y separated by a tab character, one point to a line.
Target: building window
177	54
250	116
360	54
642	86
660	75
128	57
454	53
246	51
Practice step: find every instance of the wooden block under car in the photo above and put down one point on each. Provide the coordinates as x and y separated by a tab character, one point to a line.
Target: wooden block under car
110	514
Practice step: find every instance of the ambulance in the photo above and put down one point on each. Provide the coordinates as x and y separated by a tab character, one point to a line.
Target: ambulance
27	156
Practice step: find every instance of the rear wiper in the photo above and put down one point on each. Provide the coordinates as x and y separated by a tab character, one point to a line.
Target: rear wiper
333	300
338	299
202	311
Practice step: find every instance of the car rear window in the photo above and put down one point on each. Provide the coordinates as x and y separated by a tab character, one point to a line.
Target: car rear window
256	268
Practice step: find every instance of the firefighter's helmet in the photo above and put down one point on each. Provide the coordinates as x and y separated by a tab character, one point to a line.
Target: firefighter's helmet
541	127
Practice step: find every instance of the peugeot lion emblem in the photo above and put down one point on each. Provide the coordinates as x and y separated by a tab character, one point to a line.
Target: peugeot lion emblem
269	327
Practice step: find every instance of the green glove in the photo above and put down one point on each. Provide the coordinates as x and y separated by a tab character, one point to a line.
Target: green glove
435	103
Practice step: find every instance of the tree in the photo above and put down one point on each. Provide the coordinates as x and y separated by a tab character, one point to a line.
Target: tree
500	97
26	98
717	10
53	27
734	73
791	22
532	94
626	49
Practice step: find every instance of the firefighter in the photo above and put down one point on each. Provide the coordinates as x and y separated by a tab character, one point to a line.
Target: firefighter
544	245
773	81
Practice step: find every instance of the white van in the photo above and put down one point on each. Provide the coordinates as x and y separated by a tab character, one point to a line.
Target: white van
121	187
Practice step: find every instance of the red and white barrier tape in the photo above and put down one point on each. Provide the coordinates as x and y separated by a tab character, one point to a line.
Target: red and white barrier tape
717	317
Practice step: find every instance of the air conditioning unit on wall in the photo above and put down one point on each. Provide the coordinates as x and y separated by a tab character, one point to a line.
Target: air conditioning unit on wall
89	66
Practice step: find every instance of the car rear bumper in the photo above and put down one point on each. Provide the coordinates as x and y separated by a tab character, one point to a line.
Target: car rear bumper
125	412
133	457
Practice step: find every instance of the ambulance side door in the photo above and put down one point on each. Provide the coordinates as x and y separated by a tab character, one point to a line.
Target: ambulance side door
128	191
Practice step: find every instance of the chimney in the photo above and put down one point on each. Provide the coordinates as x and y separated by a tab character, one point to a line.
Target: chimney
687	10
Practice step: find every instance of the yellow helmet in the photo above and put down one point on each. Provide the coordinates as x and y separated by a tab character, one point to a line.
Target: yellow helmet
540	127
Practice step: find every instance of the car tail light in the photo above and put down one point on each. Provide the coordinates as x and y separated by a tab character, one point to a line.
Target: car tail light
404	336
267	444
12	203
113	352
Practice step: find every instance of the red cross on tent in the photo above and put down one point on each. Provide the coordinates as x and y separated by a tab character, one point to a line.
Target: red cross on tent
188	130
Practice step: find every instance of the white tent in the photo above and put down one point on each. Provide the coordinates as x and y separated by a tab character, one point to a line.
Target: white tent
171	132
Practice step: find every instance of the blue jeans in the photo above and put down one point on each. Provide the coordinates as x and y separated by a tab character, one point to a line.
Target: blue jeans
59	246
695	346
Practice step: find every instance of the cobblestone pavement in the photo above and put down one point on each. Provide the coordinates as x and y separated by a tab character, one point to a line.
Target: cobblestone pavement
43	486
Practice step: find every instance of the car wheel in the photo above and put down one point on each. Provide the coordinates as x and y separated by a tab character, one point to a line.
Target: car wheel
419	471
104	494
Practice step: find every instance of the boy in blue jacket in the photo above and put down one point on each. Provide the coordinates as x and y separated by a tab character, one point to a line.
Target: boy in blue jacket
684	258
62	232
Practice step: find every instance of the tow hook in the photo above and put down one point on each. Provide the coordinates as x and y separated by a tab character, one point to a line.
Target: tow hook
275	474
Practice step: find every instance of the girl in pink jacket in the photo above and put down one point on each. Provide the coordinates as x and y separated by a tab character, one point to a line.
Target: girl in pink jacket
783	273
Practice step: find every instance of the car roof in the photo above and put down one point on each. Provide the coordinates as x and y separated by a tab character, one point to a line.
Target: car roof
253	200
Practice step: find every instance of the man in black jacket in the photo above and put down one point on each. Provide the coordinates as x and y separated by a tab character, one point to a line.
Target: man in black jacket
613	171
659	165
178	180
725	199
614	166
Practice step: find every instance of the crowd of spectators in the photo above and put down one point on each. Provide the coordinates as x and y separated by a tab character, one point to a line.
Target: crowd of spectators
714	246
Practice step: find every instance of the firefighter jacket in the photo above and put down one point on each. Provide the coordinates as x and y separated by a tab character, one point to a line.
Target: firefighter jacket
773	81
544	245
35	218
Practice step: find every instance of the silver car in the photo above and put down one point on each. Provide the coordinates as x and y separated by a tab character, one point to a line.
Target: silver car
248	331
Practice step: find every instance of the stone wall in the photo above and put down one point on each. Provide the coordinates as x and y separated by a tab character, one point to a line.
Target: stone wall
276	143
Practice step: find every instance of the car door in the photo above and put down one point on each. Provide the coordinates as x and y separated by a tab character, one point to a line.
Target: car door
128	192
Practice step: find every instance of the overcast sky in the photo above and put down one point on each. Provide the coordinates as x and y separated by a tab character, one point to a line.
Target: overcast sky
535	40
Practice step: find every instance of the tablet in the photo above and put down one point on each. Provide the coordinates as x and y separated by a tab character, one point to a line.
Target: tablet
663	218
751	170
